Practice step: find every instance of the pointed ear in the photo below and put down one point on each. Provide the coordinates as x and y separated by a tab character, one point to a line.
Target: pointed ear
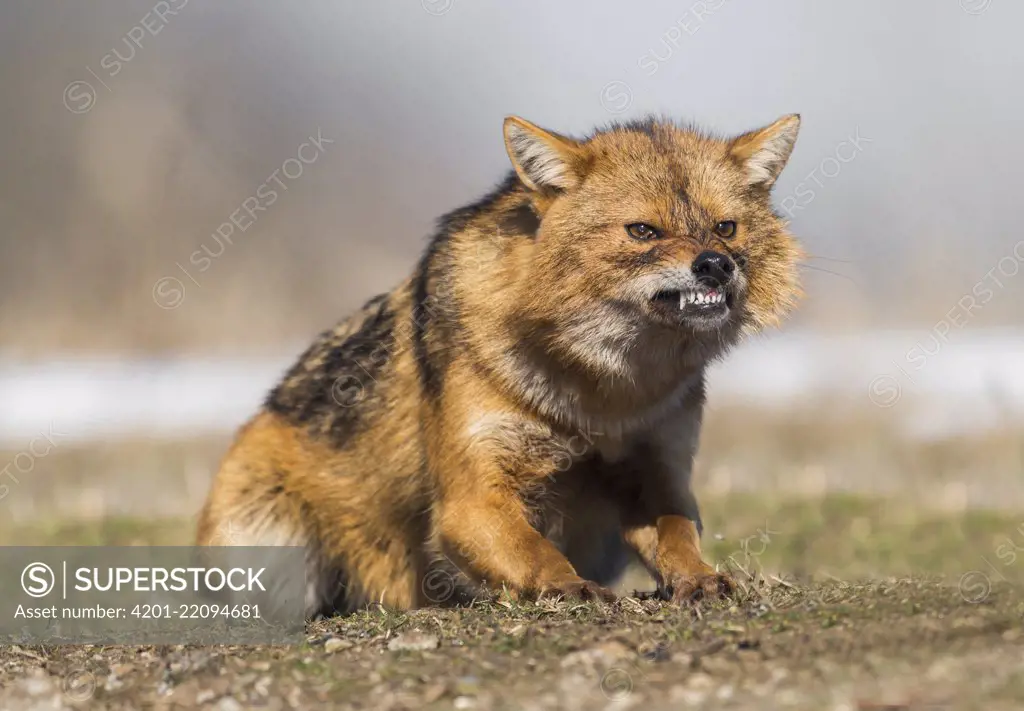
542	160
764	152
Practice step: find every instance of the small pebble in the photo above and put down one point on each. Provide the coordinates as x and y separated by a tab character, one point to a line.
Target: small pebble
414	641
335	644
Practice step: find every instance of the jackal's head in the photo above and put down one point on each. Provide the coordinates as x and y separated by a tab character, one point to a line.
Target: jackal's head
651	227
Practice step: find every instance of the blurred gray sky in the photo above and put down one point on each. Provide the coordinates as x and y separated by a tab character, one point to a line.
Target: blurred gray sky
910	145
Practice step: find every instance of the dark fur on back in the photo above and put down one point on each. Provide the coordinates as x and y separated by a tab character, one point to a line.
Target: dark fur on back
323	390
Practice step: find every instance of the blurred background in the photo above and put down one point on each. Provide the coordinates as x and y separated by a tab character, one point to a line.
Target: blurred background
192	190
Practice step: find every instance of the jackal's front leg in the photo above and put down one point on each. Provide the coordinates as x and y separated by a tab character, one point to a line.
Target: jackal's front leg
486	533
669	545
662	521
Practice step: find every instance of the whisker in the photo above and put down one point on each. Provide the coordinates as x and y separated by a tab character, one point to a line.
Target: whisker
831	259
829	271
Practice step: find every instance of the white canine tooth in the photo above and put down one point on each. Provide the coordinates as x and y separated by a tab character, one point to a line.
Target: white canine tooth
682	299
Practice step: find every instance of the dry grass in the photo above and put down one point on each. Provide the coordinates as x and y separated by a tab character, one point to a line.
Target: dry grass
825	448
805	454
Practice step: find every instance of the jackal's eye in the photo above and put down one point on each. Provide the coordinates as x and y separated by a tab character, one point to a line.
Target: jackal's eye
638	230
725	229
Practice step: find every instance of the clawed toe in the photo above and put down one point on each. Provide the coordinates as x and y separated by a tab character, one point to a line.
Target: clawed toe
702	586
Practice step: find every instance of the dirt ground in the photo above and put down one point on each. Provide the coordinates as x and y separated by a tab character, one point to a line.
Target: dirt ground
899	644
801	635
878	574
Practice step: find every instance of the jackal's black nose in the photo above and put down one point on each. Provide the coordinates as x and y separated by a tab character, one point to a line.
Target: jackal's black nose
713	268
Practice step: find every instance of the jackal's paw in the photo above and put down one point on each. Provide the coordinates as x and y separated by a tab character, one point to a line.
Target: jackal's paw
576	588
708	585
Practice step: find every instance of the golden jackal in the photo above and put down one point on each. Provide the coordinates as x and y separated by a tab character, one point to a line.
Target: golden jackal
523	411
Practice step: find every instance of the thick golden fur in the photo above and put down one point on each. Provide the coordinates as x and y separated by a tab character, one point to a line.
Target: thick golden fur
524	410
